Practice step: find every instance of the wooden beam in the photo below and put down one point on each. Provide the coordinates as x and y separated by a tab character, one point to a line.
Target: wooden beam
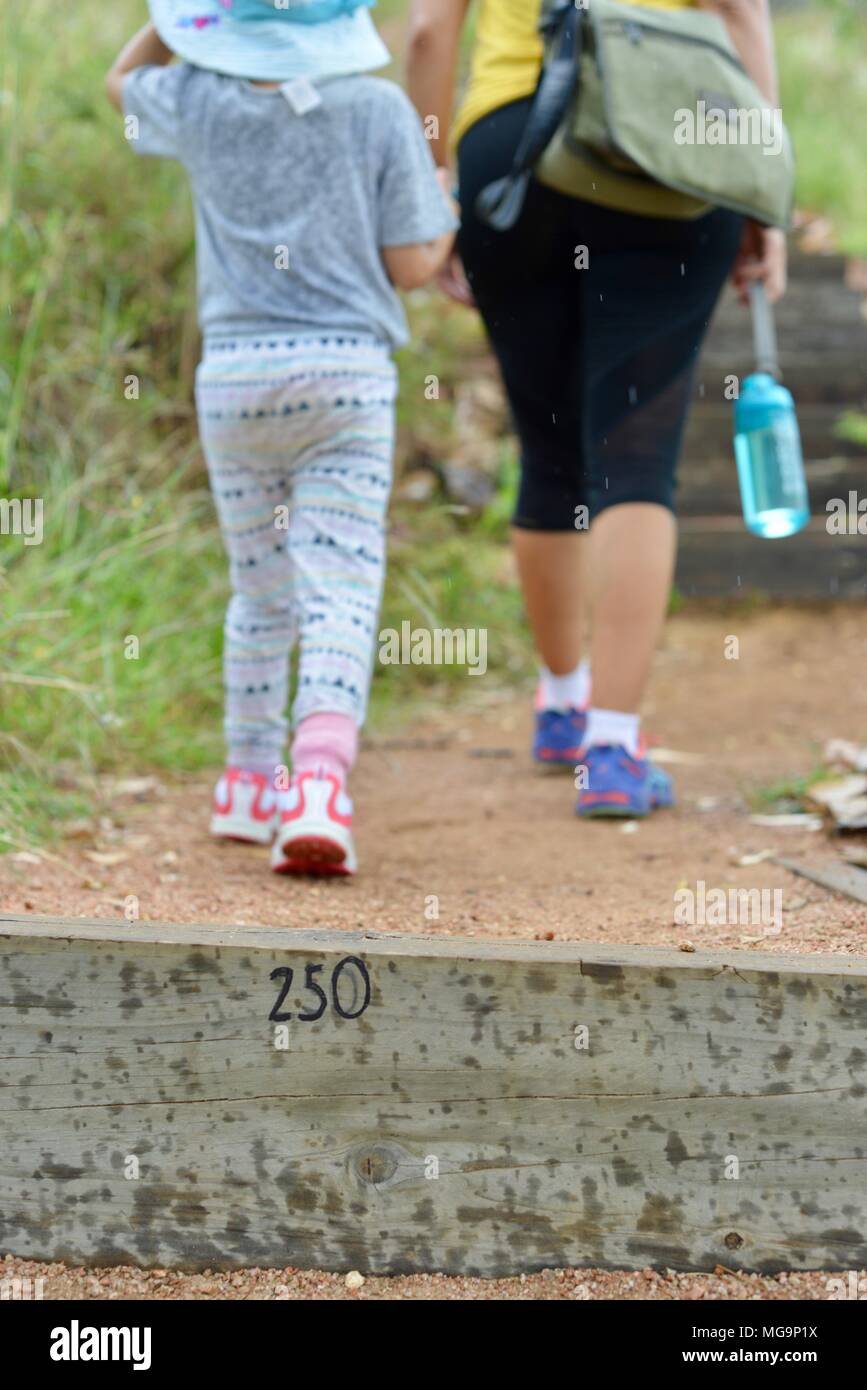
838	876
391	1103
719	558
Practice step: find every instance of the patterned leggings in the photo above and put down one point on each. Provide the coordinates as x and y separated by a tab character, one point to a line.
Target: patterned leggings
298	434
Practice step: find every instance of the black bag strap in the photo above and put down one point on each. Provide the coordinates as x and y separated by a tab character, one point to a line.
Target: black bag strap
499	203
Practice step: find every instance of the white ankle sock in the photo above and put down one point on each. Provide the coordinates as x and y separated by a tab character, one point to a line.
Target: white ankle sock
571	691
613	726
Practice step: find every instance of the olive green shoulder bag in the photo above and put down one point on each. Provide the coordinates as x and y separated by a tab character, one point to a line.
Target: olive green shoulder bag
648	111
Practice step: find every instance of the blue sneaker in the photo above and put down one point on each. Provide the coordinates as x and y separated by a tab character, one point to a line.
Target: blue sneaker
620	785
558	736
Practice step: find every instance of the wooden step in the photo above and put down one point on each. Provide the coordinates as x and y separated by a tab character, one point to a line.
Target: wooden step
822	335
709	487
719	558
221	1097
710	427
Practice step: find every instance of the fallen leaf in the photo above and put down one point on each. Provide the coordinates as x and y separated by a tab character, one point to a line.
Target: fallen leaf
841	750
417	486
135	786
845	798
817	237
790	820
675	755
105	858
746	861
78	830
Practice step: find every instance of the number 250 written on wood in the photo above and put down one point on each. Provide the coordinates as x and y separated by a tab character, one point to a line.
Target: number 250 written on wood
355	1010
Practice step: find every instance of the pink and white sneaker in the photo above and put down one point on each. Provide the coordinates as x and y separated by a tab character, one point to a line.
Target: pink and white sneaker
315	831
245	807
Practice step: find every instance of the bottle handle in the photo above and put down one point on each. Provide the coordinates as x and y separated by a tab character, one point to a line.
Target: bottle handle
764	331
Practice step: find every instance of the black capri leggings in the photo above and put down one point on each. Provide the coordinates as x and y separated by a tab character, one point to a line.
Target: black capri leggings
597	361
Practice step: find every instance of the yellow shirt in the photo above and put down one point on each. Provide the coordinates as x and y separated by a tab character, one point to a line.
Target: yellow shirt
507	56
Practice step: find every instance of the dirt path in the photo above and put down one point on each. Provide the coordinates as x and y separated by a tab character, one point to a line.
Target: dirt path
455	810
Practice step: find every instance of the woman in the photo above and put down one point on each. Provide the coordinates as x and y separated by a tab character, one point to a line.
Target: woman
597	363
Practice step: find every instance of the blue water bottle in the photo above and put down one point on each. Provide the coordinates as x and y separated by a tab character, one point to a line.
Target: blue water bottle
767	440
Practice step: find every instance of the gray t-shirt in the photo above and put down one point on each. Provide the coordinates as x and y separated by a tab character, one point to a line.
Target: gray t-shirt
292	209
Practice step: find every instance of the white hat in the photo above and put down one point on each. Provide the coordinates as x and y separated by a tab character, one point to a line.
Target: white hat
272	40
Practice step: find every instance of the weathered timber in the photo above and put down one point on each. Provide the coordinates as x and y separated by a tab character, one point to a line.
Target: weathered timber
719	558
450	1123
839	877
709	486
822	336
710	429
823	345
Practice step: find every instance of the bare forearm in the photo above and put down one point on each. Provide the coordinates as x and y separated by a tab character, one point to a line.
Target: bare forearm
431	60
144	48
409	267
749	24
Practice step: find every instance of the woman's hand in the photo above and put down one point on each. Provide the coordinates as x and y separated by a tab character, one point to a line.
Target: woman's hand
454	283
451	279
761	256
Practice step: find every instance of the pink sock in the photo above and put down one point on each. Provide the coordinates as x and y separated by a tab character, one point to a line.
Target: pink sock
325	743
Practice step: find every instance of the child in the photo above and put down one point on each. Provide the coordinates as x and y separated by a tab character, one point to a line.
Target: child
315	195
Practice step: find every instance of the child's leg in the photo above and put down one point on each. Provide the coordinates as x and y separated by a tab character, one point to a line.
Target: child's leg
341	487
326	745
259	633
249	479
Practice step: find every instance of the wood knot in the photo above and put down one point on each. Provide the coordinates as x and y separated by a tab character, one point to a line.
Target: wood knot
733	1240
375	1164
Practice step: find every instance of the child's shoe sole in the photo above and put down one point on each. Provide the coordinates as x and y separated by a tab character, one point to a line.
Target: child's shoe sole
240	831
315	832
313	851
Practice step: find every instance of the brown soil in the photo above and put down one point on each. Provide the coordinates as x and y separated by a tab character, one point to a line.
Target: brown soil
64	1283
455	810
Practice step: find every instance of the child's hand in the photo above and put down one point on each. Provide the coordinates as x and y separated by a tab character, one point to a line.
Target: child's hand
146	48
444	179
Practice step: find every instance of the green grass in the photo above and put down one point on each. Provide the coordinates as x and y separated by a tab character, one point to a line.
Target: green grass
787	795
96	261
823	80
96	266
